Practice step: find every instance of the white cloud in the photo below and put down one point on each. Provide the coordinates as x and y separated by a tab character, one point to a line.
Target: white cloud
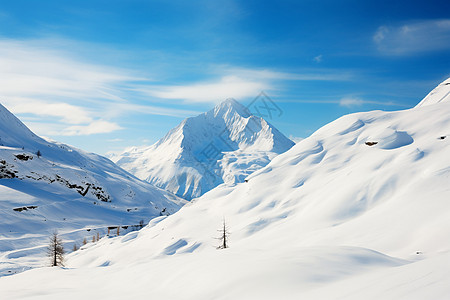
39	80
95	127
318	58
59	89
214	91
68	113
115	140
413	37
31	68
236	83
316	74
351	101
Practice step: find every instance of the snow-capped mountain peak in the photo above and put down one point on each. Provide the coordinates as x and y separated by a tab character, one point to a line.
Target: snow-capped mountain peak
230	106
225	144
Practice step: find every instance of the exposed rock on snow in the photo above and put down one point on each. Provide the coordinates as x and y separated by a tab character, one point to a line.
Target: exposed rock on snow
65	188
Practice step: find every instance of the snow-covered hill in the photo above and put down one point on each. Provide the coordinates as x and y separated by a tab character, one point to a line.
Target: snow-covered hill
440	94
225	144
46	186
358	210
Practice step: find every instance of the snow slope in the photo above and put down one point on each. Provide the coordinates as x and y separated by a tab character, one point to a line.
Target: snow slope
440	94
225	144
358	210
66	189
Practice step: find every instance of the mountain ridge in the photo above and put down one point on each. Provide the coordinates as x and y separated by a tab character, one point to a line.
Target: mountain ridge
218	146
47	185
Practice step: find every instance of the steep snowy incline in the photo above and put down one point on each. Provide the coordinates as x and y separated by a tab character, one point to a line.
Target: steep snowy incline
14	133
47	186
440	94
225	144
360	209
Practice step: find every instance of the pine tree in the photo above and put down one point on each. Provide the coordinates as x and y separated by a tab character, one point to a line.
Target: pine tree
55	250
224	234
84	241
98	236
38	153
75	247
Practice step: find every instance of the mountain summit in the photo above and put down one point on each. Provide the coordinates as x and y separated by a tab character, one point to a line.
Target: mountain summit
225	144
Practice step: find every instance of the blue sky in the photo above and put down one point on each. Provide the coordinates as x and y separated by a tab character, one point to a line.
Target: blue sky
104	75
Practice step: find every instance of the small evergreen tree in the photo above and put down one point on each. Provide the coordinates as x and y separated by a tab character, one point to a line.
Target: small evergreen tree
75	247
224	234
55	250
38	153
98	236
84	241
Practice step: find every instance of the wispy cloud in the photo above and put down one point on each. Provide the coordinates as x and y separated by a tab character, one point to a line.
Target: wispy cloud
68	113
351	101
95	127
211	91
67	95
239	83
413	37
318	58
43	82
115	140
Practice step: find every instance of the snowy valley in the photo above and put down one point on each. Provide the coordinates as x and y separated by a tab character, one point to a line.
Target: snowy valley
358	210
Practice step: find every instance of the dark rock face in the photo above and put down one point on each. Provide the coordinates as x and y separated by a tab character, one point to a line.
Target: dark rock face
6	170
24	157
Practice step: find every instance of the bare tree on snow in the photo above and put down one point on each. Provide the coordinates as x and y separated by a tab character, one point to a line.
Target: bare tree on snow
55	250
224	234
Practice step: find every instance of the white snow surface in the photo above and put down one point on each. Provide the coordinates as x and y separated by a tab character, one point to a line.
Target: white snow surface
225	144
332	218
65	189
440	94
